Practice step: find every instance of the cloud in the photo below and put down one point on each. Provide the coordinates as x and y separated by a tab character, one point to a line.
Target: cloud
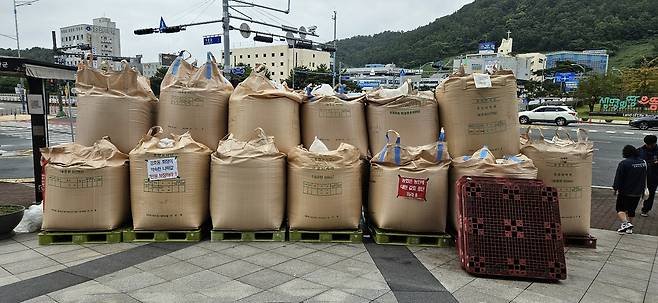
36	21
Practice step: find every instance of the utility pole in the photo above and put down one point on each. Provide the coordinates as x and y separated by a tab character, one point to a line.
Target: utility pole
226	18
333	78
60	111
18	49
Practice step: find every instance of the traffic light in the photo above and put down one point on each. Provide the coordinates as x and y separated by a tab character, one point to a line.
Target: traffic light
266	39
145	31
173	29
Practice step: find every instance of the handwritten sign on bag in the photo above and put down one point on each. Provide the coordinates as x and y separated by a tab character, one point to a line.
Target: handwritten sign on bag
162	168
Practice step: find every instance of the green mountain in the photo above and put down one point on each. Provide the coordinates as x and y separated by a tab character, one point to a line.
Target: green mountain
536	26
35	53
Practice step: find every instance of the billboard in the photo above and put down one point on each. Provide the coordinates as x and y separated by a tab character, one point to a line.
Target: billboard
487	47
565	77
167	59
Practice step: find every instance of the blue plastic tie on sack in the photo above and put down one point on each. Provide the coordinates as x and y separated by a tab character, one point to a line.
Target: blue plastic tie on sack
174	68
514	158
466	158
483	152
439	151
442	136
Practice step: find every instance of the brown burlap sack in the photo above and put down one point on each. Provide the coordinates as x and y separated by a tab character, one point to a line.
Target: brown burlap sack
324	188
247	184
195	100
86	187
475	117
484	164
566	165
119	105
171	194
335	121
409	187
258	102
411	113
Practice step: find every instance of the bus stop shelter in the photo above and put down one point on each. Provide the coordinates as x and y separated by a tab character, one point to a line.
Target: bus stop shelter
36	73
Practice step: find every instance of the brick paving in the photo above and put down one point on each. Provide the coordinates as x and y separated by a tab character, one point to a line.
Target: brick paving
604	215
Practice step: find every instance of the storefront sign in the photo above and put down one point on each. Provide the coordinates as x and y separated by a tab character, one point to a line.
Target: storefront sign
612	104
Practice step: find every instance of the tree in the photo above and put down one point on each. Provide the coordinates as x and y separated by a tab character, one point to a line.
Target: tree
156	80
642	81
594	86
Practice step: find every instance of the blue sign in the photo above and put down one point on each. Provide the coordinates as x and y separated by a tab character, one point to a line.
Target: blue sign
402	73
216	39
238	71
368	83
344	78
564	77
487	47
162	24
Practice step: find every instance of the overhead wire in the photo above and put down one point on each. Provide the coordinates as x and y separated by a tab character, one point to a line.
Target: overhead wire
187	11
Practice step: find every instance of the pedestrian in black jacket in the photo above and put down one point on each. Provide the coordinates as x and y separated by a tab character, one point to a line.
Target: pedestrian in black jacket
649	153
629	186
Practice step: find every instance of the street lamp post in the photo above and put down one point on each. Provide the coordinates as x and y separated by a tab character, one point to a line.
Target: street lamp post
18	43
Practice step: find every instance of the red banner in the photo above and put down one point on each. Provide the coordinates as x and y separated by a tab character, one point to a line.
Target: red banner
412	188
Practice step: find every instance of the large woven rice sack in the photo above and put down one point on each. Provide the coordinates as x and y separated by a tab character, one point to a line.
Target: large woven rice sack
86	187
118	105
566	165
247	184
482	113
411	113
409	187
334	119
324	187
483	163
169	177
195	99
259	102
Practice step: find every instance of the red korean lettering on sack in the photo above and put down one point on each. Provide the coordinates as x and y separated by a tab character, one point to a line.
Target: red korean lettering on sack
412	188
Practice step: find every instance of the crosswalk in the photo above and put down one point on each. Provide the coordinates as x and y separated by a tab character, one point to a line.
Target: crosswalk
57	134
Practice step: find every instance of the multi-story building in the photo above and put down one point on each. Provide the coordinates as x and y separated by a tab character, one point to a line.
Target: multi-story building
279	59
524	66
373	76
164	60
102	35
597	60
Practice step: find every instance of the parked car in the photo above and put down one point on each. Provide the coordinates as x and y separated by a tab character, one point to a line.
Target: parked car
644	122
560	115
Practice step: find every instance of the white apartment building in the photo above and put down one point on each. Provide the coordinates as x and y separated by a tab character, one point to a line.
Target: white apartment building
150	68
524	66
103	36
279	59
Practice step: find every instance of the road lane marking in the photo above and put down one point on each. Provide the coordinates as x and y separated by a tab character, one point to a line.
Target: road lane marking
629	133
610	132
646	134
593	131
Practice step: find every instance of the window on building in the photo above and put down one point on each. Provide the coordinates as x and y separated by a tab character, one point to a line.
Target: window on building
313	55
313	63
248	56
281	63
256	55
271	73
240	56
264	55
272	63
249	64
281	73
281	54
272	55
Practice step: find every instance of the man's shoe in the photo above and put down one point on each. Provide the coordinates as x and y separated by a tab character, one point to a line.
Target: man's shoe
629	231
624	226
643	214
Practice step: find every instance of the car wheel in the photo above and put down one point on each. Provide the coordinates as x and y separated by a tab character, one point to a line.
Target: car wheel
561	121
524	120
643	126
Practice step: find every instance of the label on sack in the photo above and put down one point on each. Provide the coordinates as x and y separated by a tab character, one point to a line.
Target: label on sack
412	188
162	168
482	80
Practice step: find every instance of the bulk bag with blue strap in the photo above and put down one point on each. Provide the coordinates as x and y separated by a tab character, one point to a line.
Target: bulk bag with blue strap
259	102
483	163
566	165
116	104
324	187
409	186
478	110
195	99
334	119
413	114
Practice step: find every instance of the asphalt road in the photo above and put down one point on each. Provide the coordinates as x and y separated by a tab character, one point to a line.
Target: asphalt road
15	159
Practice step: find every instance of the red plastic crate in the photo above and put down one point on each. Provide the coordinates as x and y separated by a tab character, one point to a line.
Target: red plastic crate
510	227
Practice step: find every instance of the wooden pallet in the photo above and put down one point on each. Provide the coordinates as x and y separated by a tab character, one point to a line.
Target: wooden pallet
80	237
131	235
417	239
326	236
588	241
249	236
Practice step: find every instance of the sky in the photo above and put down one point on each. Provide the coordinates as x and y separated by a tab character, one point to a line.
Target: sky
354	17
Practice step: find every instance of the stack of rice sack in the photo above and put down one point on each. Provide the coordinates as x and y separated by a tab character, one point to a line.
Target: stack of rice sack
86	187
413	114
169	179
409	186
248	184
483	163
334	119
566	165
260	102
119	105
195	100
480	110
324	187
